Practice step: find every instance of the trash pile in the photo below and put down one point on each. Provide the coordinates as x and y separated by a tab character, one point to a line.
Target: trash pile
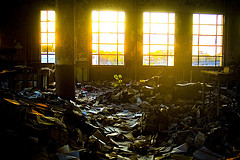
150	119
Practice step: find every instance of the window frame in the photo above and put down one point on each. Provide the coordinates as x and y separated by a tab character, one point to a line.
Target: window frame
99	43
53	44
215	46
167	45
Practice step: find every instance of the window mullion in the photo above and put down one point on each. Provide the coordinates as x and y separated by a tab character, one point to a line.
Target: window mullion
198	37
149	39
47	38
168	40
98	42
117	35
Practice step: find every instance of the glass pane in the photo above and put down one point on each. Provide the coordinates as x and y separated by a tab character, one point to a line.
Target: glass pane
145	60
108	27
171	50
95	27
206	61
51	48
121	16
94	59
43	15
51	58
108	49
108	16
219	51
146	38
107	38
94	38
158	50
121	27
43	48
208	29
158	39
220	19
208	18
219	61
94	15
159	28
51	37
195	50
171	28
163	17
170	60
94	49
155	17
219	30
158	60
159	17
121	38
120	49
120	60
51	26
145	49
207	51
219	40
146	28
207	40
51	15
195	18
43	26
195	29
195	40
146	17
171	39
194	61
43	37
43	58
171	17
108	60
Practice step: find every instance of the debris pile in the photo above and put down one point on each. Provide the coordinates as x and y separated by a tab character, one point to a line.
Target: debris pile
150	119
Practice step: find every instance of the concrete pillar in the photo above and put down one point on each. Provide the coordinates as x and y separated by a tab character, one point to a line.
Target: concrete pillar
65	49
231	39
183	46
133	43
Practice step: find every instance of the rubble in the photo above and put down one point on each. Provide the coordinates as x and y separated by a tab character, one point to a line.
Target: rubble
151	119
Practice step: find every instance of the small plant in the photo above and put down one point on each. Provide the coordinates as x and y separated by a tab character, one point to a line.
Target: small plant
118	79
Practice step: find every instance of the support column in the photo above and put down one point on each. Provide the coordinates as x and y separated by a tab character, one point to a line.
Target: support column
133	43
183	46
65	49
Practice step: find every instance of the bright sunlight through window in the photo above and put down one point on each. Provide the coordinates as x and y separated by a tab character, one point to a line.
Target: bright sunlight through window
48	36
207	40
108	36
158	38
